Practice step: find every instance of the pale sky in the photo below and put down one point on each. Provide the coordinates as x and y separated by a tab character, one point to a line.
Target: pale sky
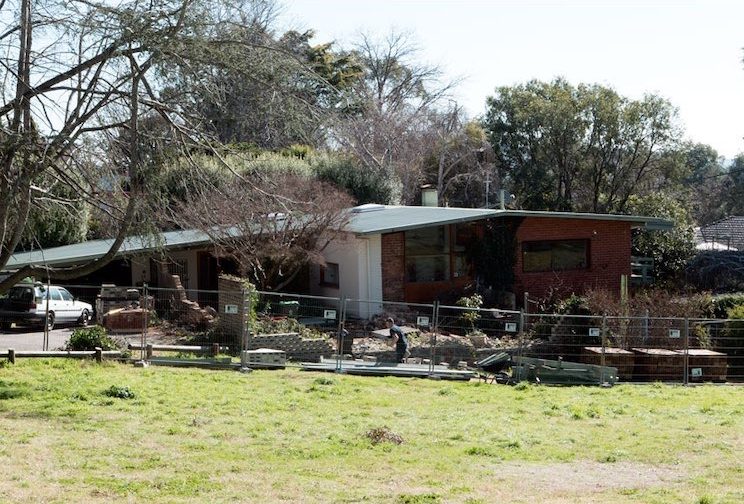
690	52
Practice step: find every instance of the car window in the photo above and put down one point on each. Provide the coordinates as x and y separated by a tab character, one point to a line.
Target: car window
55	295
20	294
65	294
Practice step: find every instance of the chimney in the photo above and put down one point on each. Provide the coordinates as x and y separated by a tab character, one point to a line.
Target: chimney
429	195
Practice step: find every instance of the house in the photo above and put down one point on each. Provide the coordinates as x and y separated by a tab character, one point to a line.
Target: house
417	254
725	234
405	254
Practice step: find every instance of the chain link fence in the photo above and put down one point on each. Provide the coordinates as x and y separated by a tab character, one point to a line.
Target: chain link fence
240	326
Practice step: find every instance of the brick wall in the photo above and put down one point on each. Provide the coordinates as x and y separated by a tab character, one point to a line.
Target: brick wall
393	266
609	256
231	324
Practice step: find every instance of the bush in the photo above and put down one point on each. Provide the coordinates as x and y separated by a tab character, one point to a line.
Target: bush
722	304
119	392
88	338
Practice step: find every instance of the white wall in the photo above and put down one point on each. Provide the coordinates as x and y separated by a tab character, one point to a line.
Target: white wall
359	262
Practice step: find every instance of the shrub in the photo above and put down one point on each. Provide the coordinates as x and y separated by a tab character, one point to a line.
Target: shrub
119	392
88	338
472	315
723	303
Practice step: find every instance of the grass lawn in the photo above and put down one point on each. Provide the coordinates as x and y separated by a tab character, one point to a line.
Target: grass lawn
290	436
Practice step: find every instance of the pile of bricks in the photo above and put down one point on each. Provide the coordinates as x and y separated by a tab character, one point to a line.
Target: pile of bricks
297	348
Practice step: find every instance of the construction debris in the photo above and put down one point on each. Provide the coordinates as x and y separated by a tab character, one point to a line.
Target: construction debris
553	372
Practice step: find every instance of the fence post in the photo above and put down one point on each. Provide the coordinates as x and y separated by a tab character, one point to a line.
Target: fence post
148	351
144	304
686	379
433	339
11	355
520	349
342	302
245	311
603	360
99	354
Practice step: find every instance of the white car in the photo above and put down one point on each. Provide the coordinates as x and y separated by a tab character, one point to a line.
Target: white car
26	304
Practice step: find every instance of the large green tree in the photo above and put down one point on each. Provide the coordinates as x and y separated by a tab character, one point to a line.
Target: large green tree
584	148
670	249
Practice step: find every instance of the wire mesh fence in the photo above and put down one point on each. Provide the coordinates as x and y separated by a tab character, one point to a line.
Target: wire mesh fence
225	324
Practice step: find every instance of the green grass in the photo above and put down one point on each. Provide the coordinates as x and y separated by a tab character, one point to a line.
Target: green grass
182	435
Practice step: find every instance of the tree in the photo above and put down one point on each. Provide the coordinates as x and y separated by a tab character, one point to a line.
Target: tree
584	148
271	222
263	89
670	249
705	183
460	161
733	181
385	124
80	79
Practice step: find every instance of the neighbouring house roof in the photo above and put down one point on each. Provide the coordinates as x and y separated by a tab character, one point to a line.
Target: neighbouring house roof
364	220
728	231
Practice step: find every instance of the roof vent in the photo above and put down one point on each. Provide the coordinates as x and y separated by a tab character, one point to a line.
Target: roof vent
368	207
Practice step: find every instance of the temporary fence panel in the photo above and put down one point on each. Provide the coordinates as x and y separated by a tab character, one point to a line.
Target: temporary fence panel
367	337
467	335
305	327
313	328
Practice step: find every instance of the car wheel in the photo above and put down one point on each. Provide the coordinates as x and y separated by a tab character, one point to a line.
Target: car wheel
50	321
84	318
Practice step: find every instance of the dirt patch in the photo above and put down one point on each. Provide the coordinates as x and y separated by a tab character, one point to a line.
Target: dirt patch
587	476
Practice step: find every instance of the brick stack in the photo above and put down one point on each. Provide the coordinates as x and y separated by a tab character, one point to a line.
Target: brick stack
296	348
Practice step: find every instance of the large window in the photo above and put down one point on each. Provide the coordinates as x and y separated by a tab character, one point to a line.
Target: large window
428	254
556	255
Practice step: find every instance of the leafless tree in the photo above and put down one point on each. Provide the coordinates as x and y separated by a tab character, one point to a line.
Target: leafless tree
386	124
461	160
82	80
272	226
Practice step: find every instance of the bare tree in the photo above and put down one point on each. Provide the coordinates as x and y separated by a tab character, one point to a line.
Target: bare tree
82	79
271	226
461	160
386	123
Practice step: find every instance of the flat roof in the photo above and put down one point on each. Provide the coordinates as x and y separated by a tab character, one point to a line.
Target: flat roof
375	219
91	250
364	220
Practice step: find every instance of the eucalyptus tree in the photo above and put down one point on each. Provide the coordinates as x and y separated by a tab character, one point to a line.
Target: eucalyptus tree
565	147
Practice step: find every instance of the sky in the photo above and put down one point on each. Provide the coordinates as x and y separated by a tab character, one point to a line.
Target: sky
689	52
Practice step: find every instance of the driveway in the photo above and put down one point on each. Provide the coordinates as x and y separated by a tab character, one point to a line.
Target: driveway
23	339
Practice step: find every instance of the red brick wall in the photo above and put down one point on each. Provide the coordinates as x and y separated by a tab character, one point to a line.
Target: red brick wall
609	255
393	266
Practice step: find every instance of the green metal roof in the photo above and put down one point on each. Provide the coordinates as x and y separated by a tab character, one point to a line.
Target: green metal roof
375	219
364	220
90	250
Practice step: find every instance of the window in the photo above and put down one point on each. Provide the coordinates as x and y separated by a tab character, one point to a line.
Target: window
556	255
329	275
65	294
54	295
428	254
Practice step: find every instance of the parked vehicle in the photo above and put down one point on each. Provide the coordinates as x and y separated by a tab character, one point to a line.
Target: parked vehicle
26	304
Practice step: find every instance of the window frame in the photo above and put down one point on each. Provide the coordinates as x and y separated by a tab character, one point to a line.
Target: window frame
324	281
553	243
